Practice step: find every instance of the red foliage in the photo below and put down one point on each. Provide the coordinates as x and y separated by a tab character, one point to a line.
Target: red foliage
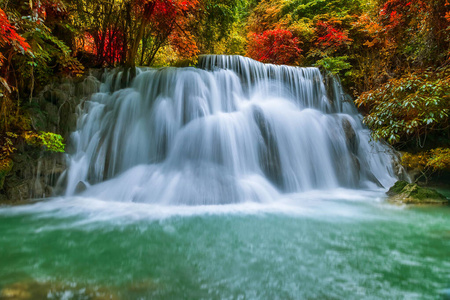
9	35
165	19
112	45
330	36
165	13
175	18
162	12
397	13
274	46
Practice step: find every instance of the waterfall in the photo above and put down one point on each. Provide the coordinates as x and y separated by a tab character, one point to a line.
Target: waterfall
231	130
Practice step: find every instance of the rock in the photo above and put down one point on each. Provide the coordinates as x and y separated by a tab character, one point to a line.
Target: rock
411	193
270	160
397	188
81	187
18	192
351	138
35	173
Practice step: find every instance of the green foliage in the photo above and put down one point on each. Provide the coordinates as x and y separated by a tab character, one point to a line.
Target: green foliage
313	8
221	28
50	141
410	107
334	64
51	57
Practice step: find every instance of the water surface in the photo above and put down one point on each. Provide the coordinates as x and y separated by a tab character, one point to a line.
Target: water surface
340	244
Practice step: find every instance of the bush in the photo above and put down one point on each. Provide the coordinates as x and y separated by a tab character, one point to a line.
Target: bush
412	107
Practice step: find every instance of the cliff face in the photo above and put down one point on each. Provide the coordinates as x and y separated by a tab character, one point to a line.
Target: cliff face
35	172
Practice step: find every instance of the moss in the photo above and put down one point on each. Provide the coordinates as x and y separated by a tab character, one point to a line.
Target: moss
402	192
424	193
397	188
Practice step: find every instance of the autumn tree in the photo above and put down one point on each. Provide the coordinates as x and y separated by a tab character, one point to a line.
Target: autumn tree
131	32
274	46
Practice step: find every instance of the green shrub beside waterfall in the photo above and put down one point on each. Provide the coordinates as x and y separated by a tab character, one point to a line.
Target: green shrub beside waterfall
412	113
411	109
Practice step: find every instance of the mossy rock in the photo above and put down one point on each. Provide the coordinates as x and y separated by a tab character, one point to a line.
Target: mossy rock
397	188
411	193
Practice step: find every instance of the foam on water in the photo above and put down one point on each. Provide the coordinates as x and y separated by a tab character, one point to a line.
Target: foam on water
339	204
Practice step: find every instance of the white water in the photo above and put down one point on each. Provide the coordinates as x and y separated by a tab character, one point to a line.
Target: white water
231	131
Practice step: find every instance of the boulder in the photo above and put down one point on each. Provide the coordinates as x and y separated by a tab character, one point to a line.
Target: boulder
411	193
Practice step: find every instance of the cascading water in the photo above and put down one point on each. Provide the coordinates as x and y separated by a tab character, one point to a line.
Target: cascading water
232	130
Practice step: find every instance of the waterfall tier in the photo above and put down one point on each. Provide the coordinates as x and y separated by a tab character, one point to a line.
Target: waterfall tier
231	130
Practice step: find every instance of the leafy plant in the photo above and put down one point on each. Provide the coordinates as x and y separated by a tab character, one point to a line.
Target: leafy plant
428	162
50	141
334	64
411	107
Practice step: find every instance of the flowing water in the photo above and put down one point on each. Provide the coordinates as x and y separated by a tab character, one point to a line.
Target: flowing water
233	180
232	131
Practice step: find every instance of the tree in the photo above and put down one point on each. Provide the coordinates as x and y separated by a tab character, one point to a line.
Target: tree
133	31
274	46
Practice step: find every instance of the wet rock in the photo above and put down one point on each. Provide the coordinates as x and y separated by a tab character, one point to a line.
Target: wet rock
81	187
411	193
351	139
399	170
35	173
18	192
52	115
269	155
33	176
